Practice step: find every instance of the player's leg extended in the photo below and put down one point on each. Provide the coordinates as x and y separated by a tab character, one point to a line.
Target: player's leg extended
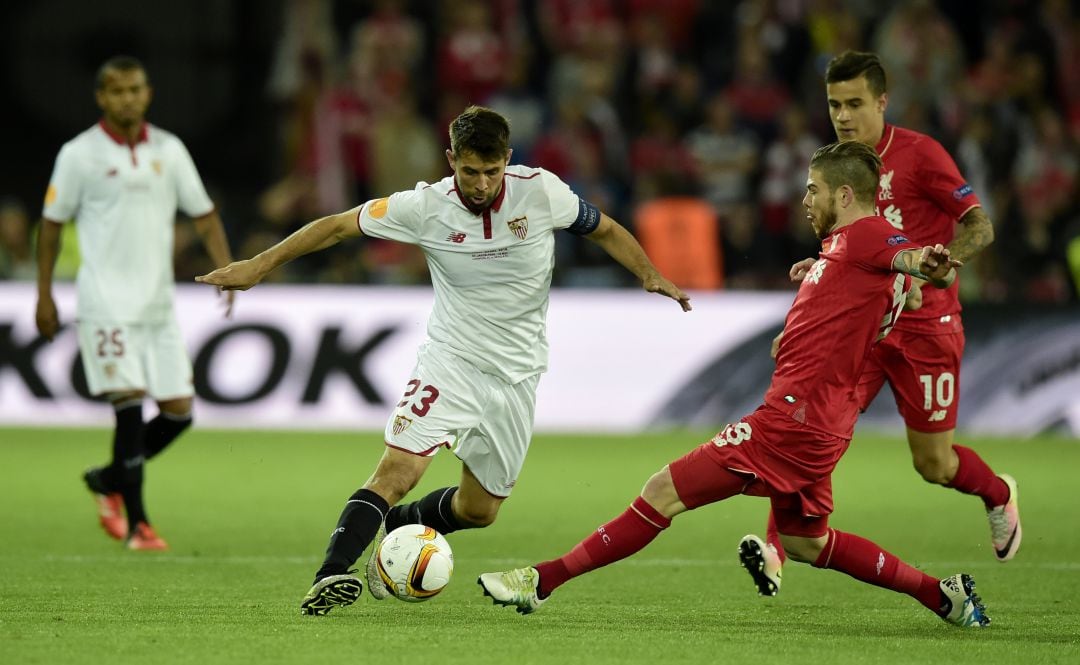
693	480
953	598
648	515
397	473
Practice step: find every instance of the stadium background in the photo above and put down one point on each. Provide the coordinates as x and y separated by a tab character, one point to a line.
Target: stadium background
297	108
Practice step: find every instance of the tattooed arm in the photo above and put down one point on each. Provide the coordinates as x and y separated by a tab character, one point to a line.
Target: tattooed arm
975	234
933	264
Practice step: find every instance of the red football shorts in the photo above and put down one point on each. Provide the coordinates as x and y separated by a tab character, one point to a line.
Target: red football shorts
765	454
924	374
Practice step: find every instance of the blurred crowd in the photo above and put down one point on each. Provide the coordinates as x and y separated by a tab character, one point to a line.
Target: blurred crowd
715	103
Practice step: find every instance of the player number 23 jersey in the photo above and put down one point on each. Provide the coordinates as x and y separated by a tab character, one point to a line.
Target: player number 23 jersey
491	271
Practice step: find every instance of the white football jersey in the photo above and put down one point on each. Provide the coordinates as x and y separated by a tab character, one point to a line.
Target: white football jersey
491	271
123	199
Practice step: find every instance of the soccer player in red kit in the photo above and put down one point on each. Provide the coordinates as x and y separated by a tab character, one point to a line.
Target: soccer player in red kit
787	448
923	195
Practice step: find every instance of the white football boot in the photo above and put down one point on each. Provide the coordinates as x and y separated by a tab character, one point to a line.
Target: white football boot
517	588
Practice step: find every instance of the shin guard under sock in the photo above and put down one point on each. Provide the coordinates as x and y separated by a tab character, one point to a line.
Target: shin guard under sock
126	471
433	510
356	527
163	430
974	476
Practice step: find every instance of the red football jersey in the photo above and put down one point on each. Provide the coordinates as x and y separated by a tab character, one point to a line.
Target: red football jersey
923	194
849	300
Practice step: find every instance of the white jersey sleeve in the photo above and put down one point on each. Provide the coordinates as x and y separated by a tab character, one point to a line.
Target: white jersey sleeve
397	217
568	210
65	186
191	195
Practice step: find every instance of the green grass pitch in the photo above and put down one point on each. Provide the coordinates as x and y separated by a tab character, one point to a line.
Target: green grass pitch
248	514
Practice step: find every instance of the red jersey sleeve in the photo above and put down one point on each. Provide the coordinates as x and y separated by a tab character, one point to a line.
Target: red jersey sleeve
874	243
942	182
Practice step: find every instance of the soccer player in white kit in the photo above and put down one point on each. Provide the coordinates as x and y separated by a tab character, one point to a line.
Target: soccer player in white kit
488	235
121	183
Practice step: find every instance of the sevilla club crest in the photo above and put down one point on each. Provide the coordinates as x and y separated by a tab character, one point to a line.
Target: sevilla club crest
519	227
401	423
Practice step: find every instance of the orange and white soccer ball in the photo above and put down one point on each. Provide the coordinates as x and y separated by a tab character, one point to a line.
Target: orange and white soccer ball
415	562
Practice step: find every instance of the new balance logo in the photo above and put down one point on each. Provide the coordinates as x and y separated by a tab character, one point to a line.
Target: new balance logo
937	416
456	236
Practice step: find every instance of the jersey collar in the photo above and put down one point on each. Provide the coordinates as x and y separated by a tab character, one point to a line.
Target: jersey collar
122	140
886	140
495	205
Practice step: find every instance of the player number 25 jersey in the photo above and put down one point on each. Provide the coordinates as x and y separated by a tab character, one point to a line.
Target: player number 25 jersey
123	199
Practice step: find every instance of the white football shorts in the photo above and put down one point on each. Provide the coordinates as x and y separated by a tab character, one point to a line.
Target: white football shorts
486	421
151	357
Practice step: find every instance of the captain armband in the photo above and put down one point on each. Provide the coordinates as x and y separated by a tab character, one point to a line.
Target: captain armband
588	218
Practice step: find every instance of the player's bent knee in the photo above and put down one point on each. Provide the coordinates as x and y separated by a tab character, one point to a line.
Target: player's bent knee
934	469
801	549
476	517
659	492
391	486
176	408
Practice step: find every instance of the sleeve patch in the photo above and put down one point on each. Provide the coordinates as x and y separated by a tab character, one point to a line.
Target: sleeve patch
588	219
960	192
898	240
377	208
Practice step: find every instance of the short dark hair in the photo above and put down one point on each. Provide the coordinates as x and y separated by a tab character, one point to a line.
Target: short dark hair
117	63
849	163
481	131
853	64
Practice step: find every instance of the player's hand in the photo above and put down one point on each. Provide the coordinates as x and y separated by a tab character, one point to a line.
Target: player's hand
48	321
237	276
936	263
775	348
663	286
913	301
799	270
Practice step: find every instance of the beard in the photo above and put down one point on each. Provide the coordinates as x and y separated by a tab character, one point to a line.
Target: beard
827	221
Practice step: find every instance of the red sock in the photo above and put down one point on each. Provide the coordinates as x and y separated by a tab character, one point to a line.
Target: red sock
618	539
974	476
866	562
772	536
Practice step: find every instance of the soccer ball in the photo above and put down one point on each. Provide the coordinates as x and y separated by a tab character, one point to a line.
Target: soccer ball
415	562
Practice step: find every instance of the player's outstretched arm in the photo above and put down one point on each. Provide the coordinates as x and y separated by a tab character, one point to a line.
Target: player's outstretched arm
932	263
624	248
320	234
